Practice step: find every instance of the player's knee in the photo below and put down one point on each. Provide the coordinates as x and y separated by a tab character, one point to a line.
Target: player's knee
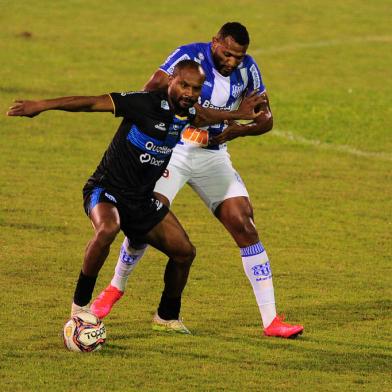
107	232
186	255
242	225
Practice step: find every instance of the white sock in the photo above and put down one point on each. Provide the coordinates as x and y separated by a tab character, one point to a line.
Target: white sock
126	262
257	269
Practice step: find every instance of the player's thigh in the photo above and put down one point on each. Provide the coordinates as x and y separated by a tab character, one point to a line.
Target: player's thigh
169	237
217	180
101	207
105	218
174	177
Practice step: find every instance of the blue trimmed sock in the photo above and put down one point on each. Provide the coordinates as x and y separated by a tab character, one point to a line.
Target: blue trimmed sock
127	260
258	270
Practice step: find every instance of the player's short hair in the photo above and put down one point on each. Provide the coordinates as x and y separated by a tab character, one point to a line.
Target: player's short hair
187	64
235	30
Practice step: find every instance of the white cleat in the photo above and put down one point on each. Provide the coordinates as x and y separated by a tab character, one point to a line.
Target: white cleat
172	326
77	309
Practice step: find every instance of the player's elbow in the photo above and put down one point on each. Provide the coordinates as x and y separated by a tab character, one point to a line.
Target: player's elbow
265	125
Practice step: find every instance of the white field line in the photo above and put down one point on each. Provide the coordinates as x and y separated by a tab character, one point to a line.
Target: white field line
322	44
332	147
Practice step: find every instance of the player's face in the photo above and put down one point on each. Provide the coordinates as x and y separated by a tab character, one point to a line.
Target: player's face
227	54
184	88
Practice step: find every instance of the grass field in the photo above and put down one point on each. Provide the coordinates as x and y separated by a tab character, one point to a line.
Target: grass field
320	182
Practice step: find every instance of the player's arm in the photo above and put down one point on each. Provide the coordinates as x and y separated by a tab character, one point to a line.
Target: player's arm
158	81
261	124
100	103
248	110
205	116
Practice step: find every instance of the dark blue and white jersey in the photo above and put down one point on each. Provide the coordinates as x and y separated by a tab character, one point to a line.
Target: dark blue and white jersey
140	150
218	92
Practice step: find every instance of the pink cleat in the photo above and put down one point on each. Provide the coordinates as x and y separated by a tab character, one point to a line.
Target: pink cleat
103	304
280	329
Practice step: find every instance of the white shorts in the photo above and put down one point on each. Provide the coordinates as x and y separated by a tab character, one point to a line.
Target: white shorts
210	173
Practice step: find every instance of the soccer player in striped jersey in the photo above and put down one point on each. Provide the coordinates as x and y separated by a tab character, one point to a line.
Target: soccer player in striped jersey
201	160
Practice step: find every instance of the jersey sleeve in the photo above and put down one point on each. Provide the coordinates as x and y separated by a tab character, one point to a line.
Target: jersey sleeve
255	80
181	53
129	104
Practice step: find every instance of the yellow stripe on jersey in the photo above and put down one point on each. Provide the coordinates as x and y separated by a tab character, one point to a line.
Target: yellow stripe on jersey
114	106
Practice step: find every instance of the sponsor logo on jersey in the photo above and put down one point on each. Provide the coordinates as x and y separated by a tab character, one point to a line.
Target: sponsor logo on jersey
208	104
262	271
207	83
255	76
200	56
110	197
147	158
236	90
165	150
123	94
165	105
160	126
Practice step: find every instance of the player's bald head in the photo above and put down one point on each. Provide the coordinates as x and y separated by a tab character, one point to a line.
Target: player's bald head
185	84
188	65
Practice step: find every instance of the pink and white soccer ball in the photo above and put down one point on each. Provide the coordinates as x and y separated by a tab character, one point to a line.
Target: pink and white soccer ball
84	332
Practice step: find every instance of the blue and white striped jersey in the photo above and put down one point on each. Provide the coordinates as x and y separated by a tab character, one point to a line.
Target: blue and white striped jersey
218	92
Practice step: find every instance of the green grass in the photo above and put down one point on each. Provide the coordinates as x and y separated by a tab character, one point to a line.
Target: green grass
320	184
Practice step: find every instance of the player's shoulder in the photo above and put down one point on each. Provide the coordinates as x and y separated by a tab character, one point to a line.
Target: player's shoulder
196	51
247	62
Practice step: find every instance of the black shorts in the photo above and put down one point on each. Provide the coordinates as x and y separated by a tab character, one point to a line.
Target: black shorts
137	217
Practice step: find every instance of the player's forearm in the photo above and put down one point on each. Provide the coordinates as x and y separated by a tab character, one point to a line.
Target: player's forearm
101	103
76	104
207	116
259	127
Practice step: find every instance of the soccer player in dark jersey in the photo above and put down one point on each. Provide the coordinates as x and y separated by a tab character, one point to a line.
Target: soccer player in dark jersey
119	195
231	74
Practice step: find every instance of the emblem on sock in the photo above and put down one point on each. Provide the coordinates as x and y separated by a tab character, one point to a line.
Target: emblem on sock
126	258
262	271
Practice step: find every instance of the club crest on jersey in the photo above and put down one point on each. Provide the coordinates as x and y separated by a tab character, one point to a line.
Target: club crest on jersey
236	90
165	105
262	271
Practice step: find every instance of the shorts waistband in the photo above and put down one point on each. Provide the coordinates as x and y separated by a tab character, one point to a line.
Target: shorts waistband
214	147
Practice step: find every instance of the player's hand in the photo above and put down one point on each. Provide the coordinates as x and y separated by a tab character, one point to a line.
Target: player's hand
232	131
251	106
25	108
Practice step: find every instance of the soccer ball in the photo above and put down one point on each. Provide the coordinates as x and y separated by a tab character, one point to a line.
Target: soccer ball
84	332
